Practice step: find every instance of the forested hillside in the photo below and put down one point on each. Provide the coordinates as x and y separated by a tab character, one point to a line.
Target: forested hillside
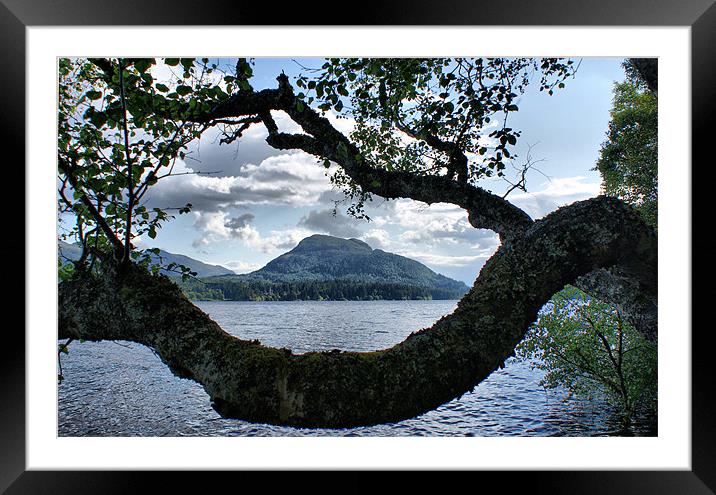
326	267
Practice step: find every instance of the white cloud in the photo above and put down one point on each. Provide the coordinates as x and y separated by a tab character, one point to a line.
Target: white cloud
555	193
139	242
437	224
241	266
377	239
443	260
219	226
331	223
208	155
216	226
279	240
345	125
201	243
287	179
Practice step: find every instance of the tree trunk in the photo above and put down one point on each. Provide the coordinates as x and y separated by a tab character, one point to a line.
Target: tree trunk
252	382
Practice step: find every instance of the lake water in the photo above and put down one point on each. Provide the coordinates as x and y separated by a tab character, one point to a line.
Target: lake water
123	389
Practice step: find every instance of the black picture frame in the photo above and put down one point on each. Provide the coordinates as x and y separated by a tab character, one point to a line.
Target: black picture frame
16	15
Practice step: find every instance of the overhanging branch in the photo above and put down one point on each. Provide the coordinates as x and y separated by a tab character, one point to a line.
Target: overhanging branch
320	138
341	389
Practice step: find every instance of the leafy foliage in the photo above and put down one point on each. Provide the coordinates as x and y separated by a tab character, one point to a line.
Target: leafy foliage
153	260
64	270
429	115
120	131
450	99
588	347
584	344
121	126
628	161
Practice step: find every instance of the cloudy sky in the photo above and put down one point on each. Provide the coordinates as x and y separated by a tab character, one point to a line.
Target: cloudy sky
259	203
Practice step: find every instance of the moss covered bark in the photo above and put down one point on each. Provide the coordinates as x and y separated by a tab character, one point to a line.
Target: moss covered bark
249	381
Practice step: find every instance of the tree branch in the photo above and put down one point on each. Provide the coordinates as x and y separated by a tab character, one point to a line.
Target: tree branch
320	138
68	170
341	389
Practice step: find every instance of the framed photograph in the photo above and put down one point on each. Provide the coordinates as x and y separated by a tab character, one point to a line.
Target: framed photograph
266	216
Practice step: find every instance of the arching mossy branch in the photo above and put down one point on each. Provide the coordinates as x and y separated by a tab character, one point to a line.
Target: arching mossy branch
337	389
249	381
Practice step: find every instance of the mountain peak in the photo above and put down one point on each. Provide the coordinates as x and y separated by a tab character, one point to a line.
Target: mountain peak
321	242
324	257
325	267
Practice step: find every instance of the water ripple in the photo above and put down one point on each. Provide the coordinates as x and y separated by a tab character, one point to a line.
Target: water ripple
125	390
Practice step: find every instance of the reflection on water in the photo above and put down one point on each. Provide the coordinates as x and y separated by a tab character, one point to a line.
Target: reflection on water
123	389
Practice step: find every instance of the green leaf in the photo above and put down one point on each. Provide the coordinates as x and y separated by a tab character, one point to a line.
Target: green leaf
93	95
99	119
171	61
187	63
183	90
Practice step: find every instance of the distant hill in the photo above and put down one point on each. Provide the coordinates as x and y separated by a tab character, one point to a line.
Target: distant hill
319	267
327	267
201	269
73	252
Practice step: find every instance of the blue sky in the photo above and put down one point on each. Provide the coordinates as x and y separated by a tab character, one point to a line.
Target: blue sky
262	202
